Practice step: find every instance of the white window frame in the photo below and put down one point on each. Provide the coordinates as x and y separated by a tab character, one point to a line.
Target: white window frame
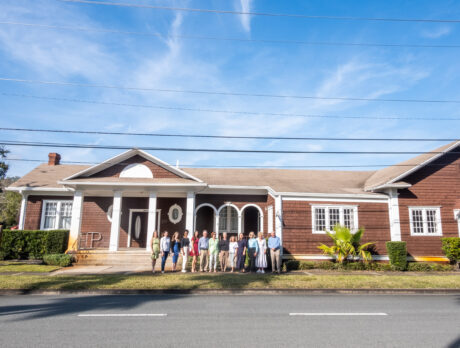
457	218
341	208
58	213
425	222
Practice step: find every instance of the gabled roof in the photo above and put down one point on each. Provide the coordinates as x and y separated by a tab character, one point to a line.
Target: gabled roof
123	157
393	175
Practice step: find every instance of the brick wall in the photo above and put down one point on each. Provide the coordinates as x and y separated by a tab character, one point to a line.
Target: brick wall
165	225
436	185
115	170
297	226
94	219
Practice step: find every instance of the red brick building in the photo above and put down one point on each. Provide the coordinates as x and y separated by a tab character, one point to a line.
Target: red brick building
116	205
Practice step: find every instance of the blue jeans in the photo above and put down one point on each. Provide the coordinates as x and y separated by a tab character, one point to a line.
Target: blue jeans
163	260
175	257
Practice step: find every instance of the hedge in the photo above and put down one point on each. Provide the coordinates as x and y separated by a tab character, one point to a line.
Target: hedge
397	252
451	248
296	265
32	244
62	260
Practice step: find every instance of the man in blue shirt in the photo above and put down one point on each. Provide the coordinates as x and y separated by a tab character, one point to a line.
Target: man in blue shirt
274	244
203	246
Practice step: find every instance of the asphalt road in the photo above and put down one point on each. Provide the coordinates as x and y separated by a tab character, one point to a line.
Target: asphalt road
230	321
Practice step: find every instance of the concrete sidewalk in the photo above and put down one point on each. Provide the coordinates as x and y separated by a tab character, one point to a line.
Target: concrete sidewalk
118	269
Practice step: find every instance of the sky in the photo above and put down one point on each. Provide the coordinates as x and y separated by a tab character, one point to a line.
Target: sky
171	62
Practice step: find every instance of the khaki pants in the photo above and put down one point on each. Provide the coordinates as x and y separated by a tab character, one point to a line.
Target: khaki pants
276	261
223	259
204	256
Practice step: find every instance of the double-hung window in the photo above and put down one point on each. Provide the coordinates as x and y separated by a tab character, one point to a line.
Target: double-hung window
56	215
325	217
425	221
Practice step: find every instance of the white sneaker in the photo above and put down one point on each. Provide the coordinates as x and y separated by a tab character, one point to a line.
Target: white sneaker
183	271
262	271
162	271
258	271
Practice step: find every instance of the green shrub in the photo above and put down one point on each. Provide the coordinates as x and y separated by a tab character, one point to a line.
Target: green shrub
377	266
327	265
291	265
451	248
397	252
33	244
428	267
62	260
306	265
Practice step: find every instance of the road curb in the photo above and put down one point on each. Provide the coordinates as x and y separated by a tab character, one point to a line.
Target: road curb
9	292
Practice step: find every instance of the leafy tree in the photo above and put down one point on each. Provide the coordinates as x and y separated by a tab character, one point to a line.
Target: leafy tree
10	203
346	244
3	165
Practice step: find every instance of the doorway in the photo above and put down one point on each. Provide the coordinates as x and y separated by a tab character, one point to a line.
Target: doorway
138	222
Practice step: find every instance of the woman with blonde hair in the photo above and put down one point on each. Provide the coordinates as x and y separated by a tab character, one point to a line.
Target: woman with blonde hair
155	244
253	250
175	249
261	260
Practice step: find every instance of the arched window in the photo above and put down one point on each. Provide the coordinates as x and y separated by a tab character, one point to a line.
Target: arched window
136	170
228	220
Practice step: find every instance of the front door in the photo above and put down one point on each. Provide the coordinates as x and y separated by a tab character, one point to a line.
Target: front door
138	229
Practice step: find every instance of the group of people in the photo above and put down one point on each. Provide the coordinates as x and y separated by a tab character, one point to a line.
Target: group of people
230	252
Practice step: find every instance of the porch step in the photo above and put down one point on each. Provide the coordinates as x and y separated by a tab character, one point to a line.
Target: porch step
120	258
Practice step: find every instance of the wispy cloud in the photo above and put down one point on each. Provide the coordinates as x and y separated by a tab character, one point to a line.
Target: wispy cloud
245	6
436	33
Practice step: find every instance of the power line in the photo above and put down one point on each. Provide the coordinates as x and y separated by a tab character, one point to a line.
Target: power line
179	135
239	94
236	166
216	38
226	111
229	93
266	14
149	148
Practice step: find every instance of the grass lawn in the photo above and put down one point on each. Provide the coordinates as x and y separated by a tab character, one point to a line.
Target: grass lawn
229	281
16	267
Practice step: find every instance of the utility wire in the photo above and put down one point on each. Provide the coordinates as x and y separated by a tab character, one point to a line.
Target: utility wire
178	135
253	166
265	14
149	148
216	38
239	94
225	111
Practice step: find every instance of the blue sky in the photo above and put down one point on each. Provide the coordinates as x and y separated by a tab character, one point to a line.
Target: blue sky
149	62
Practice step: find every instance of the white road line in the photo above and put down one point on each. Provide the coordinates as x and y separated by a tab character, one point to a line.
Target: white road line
124	315
335	314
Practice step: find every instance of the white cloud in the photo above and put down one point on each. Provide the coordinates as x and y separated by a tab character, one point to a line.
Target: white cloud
245	20
438	32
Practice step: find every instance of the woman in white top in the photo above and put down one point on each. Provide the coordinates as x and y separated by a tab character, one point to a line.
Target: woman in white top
261	260
233	250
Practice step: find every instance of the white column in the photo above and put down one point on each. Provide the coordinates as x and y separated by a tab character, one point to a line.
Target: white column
279	220
152	219
190	213
393	212
270	219
75	222
457	217
116	219
240	223
22	214
217	225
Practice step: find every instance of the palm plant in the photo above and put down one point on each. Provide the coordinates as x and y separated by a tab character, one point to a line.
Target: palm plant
346	244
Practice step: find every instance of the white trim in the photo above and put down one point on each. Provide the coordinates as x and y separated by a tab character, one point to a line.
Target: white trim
75	222
58	212
325	257
393	215
179	216
457	217
120	183
116	219
334	198
226	205
238	214
128	154
23	211
418	166
190	213
205	205
425	221
39	189
261	214
326	208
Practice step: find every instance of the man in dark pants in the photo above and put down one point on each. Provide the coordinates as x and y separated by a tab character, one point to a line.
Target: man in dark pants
241	254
